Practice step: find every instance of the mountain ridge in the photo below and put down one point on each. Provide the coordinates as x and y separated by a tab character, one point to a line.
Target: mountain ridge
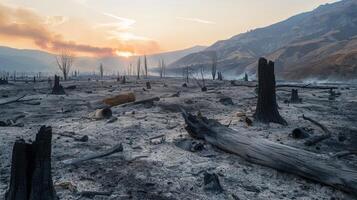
296	41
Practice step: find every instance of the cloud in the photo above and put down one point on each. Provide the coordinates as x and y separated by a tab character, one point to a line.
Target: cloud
123	24
196	20
24	23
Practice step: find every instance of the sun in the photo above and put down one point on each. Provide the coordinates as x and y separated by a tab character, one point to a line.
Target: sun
125	54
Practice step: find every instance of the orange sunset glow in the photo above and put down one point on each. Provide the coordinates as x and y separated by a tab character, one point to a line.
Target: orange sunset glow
126	28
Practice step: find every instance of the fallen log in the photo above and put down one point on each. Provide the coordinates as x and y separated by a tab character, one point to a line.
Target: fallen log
75	161
316	139
113	101
274	155
307	86
144	101
13	101
119	99
105	113
344	153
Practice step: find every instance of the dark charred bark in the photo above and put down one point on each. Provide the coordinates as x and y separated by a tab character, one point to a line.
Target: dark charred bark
3	81
148	85
246	77
295	96
267	107
57	87
219	76
274	155
31	177
123	80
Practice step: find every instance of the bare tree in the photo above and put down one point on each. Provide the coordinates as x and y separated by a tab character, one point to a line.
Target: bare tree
138	66
162	68
65	61
214	65
146	66
101	70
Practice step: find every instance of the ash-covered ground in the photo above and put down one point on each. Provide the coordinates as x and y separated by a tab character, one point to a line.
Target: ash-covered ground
167	167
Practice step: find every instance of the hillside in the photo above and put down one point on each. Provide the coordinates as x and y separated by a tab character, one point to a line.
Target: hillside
298	44
12	59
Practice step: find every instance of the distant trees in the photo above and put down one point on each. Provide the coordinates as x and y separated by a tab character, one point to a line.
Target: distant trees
145	66
138	66
162	68
101	70
65	61
214	65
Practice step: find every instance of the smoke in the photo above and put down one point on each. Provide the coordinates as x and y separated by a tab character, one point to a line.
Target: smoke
24	23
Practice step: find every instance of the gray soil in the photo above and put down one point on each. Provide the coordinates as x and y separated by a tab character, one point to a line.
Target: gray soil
166	167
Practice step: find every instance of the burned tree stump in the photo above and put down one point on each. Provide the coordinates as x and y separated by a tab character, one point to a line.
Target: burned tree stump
57	87
295	96
267	107
31	177
148	85
219	76
245	77
3	81
123	80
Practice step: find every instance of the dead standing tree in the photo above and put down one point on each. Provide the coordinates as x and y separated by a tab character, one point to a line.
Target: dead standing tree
65	61
162	68
101	70
57	87
146	67
214	65
295	96
31	169
267	107
138	66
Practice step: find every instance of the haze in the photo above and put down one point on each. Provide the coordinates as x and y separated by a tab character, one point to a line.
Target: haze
124	28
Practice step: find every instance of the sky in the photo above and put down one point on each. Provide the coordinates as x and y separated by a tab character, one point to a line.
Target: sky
135	27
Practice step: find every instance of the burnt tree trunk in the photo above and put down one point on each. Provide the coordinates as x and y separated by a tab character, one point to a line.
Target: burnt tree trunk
57	87
267	107
295	96
148	85
31	177
281	157
123	80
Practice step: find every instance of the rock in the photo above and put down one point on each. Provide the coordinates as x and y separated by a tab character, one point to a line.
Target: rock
189	101
82	139
226	101
300	133
211	183
190	145
71	87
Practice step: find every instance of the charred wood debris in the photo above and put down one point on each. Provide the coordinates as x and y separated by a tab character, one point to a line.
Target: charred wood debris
31	162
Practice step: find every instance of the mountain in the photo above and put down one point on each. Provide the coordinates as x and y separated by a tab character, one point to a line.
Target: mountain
320	43
25	60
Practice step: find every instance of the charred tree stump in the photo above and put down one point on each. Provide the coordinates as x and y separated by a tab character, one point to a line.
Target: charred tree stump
219	76
3	81
57	87
31	177
123	80
148	85
245	77
295	96
267	107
